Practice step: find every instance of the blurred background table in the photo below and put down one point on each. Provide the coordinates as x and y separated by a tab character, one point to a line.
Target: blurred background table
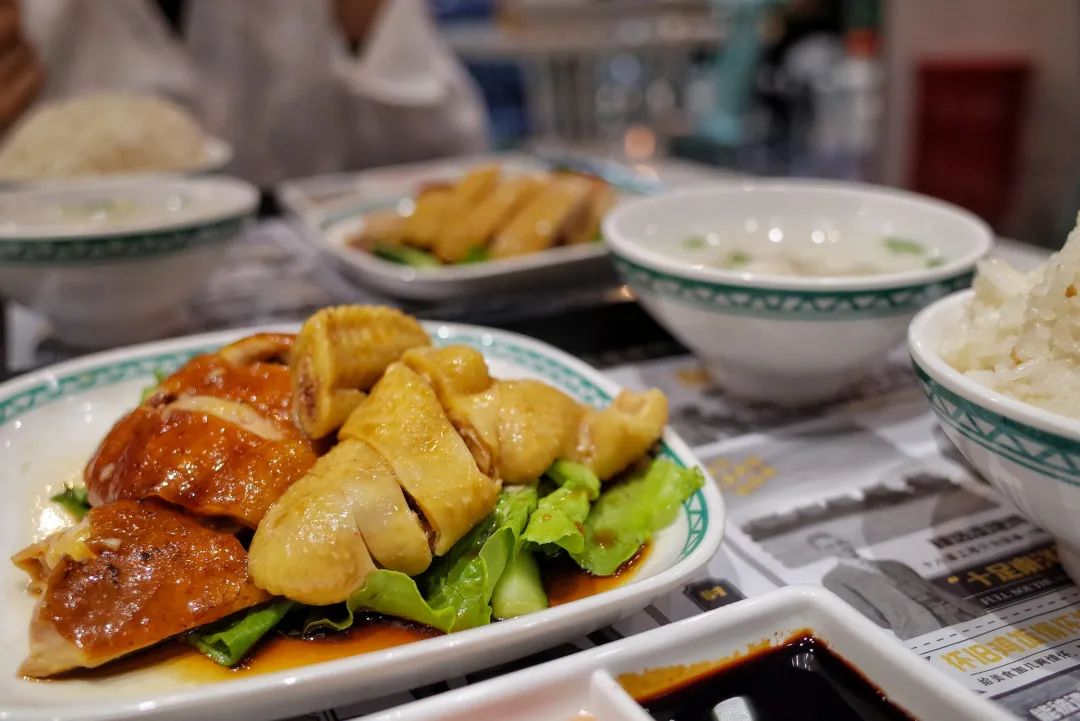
272	275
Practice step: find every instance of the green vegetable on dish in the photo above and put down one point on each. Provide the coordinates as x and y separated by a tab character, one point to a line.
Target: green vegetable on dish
520	590
74	500
475	254
455	593
228	641
736	259
903	246
405	255
557	523
159	378
694	242
626	515
465	578
935	262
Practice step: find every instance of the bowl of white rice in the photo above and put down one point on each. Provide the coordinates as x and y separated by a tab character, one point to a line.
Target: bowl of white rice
1000	364
107	136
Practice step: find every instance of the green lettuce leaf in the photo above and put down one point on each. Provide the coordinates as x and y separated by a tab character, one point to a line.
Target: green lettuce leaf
558	520
520	589
627	514
228	641
567	474
74	500
405	255
455	593
159	378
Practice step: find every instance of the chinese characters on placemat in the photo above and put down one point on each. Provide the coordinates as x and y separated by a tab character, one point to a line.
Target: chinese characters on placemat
864	497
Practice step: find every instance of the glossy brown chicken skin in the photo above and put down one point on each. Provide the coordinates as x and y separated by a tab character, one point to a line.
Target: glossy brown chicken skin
131	574
216	439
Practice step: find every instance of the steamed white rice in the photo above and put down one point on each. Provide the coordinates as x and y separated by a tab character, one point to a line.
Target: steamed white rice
1021	334
97	135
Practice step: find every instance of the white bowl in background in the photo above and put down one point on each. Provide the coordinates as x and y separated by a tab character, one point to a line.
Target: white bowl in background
113	262
789	339
1030	455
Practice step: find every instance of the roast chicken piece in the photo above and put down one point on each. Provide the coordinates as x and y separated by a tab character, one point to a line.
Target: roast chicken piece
130	574
609	440
404	422
428	216
514	428
216	438
477	225
544	221
351	512
339	354
459	376
322	538
517	428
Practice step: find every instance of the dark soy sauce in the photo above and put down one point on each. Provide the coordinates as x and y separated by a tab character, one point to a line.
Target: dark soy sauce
800	680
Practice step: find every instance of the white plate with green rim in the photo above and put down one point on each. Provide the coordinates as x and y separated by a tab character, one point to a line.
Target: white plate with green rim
332	224
111	262
52	420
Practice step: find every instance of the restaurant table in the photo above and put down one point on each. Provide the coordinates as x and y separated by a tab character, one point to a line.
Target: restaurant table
877	438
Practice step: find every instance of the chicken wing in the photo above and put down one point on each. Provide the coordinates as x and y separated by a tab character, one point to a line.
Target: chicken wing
130	574
611	439
339	354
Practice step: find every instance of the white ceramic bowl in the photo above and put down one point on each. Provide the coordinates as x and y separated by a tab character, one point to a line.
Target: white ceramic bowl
790	339
587	681
1030	455
113	262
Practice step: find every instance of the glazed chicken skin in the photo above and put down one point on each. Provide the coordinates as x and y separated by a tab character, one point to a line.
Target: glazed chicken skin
215	442
130	574
216	438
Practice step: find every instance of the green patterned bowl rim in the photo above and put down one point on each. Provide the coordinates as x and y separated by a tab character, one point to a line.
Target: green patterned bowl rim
1045	453
784	304
119	247
107	369
1036	439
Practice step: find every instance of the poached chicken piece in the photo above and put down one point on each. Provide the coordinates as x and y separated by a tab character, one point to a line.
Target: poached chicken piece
438	426
216	438
130	574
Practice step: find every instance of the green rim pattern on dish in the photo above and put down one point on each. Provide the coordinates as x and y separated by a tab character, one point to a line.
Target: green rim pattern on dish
111	248
797	305
1045	453
551	369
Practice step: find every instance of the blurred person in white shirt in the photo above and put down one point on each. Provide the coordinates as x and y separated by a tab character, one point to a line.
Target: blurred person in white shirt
298	87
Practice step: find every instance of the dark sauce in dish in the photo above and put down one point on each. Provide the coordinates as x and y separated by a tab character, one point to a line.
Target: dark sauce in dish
801	679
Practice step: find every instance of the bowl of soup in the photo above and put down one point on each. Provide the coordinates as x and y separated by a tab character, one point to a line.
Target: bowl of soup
789	291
